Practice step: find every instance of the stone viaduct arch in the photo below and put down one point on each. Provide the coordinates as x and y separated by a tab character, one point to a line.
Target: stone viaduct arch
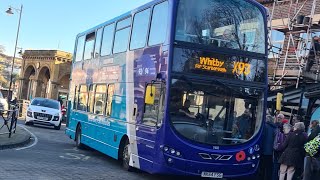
45	73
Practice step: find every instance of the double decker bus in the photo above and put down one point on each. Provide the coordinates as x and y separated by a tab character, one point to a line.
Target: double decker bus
174	87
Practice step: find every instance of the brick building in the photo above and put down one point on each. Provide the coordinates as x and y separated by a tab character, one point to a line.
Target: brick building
294	25
45	73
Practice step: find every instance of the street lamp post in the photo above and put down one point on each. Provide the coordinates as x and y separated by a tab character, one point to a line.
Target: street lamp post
9	11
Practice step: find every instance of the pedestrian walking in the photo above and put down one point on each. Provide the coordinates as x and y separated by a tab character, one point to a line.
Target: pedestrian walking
267	149
293	155
278	140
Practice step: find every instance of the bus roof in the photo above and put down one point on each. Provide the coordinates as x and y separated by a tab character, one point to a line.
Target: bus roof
149	4
120	17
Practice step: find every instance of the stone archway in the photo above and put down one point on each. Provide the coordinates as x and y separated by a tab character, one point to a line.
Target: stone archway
43	84
27	83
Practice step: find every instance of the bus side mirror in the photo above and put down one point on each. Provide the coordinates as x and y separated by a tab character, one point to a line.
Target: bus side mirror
278	102
150	93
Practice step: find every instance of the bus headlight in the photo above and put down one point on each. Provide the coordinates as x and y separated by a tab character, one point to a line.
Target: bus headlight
178	153
165	148
172	151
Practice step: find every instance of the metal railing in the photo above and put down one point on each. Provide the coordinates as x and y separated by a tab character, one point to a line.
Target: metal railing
9	118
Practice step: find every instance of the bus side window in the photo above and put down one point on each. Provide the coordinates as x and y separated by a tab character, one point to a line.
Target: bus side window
121	38
75	97
80	48
98	43
91	98
109	99
82	98
100	99
107	40
89	46
153	110
140	29
159	24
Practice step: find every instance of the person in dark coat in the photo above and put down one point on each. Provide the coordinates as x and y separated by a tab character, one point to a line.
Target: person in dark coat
315	130
293	155
276	154
267	149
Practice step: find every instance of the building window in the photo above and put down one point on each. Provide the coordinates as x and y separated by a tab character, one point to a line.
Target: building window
140	29
100	99
98	43
91	98
109	99
89	46
80	47
159	22
277	40
122	36
82	98
107	40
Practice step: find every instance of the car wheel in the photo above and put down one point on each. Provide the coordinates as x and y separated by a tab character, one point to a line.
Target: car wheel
126	157
79	145
57	127
28	123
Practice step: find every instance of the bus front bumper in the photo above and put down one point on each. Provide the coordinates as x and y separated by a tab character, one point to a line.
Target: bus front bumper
180	166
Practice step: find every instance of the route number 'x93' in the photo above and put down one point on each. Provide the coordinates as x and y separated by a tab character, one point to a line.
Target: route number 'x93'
241	68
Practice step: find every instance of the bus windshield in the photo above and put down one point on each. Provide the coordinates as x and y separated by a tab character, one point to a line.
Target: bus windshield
234	24
213	113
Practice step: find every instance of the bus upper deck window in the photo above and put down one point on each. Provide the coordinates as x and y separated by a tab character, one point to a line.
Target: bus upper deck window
107	40
121	38
159	22
140	29
89	46
98	43
80	48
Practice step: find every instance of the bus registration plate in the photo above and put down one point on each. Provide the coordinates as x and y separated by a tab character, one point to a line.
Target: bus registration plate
212	175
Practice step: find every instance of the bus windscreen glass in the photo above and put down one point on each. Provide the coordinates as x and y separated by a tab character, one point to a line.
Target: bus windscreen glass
214	113
233	24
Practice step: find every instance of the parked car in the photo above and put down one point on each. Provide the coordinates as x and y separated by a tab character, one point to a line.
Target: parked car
44	111
3	103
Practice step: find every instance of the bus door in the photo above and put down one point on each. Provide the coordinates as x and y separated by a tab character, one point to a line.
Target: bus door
151	120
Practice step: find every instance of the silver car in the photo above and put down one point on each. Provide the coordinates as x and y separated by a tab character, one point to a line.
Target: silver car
3	103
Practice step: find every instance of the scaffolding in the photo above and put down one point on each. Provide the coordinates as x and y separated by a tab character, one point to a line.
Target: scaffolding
294	61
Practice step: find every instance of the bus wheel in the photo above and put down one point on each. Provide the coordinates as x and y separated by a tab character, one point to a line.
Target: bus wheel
126	157
78	138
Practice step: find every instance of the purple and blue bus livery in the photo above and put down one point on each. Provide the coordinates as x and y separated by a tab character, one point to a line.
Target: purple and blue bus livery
174	87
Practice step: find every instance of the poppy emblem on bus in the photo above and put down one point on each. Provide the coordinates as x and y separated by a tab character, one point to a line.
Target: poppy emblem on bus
240	156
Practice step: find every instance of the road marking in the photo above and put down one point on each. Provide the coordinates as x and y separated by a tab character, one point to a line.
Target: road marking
34	136
75	156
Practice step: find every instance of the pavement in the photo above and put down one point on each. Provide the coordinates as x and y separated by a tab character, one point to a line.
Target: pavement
19	138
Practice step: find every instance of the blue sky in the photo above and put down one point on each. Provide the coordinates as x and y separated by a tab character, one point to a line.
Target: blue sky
54	24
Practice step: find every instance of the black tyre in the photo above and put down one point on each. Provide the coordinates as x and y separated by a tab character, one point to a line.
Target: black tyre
57	127
28	123
79	145
125	156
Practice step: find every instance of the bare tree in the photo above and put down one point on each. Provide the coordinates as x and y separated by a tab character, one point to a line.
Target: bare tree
2	49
